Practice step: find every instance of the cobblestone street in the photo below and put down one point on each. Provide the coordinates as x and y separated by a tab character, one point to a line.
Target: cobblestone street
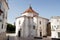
17	38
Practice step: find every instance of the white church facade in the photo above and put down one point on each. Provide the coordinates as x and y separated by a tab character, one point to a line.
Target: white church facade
3	18
30	24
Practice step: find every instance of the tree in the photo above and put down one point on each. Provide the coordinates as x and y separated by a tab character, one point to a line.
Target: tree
10	28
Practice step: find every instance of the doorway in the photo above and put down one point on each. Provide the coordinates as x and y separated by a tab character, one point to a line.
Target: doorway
40	34
19	33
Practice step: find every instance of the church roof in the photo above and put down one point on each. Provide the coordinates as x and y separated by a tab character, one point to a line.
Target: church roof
30	10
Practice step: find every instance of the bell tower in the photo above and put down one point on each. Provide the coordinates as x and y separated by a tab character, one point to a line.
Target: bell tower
30	12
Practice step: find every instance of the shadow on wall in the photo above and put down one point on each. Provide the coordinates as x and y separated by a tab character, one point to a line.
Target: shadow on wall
49	29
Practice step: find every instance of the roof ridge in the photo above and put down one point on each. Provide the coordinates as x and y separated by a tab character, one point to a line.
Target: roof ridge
30	10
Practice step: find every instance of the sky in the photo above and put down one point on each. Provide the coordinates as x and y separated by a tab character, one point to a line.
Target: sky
45	8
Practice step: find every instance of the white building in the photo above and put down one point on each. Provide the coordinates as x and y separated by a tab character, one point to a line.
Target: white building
30	24
3	18
55	26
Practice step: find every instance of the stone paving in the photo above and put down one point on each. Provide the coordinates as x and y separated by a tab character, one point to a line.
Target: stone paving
18	38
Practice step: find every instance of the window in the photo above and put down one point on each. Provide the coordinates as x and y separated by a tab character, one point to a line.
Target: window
40	22
58	34
33	26
2	26
6	15
40	29
57	27
3	15
40	33
0	20
52	28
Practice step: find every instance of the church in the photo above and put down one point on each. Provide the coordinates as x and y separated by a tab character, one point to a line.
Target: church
30	24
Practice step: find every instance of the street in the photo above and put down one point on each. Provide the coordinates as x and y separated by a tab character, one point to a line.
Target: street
18	38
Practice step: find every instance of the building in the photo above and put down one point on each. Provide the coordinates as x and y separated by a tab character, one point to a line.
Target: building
3	18
55	26
30	24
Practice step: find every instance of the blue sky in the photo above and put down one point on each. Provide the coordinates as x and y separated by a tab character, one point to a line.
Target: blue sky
45	8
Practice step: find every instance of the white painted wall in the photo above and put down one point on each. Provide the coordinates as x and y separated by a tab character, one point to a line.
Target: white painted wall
54	34
55	26
35	21
29	14
24	25
41	26
18	26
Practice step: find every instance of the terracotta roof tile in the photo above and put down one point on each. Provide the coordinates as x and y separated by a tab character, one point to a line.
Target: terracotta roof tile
30	10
